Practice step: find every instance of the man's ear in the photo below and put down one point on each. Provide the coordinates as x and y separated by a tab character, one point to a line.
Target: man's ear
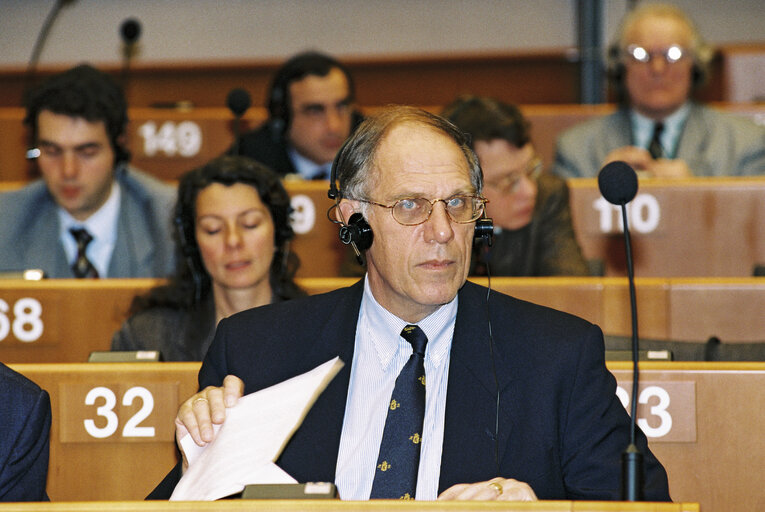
345	209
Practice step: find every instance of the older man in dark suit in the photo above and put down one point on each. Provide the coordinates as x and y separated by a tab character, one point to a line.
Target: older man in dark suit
518	403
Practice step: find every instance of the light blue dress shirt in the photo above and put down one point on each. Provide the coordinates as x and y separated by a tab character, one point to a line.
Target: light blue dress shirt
642	129
307	169
379	355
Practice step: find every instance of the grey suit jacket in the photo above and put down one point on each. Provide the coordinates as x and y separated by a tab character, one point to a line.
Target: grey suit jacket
712	143
29	230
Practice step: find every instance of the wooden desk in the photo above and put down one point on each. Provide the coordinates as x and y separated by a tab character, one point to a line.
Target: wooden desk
350	506
63	320
684	227
117	452
169	142
689	409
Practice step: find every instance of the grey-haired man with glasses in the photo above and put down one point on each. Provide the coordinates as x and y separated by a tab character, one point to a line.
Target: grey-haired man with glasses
533	233
656	63
449	390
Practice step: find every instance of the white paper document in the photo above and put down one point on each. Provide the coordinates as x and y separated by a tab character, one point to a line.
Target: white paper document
255	432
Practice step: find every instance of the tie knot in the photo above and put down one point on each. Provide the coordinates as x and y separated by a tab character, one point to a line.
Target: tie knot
416	337
81	236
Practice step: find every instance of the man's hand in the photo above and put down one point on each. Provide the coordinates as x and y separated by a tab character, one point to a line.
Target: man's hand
669	168
638	158
505	489
197	414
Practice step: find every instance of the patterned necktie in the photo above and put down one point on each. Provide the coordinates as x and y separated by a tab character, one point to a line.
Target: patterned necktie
82	267
399	459
655	148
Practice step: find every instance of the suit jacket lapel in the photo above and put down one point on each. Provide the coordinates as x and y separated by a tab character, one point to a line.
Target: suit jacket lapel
470	452
44	248
133	247
311	454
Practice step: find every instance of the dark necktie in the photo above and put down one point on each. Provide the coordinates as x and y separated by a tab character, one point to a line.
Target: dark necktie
322	173
82	267
655	148
399	459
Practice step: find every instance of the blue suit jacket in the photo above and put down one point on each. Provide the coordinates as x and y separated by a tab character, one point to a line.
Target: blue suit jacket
712	144
29	230
24	438
561	427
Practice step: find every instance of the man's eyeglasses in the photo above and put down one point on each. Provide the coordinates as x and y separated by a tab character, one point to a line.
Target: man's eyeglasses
462	209
670	55
509	184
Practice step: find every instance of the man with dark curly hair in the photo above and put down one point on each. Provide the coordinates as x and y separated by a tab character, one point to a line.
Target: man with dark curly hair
89	216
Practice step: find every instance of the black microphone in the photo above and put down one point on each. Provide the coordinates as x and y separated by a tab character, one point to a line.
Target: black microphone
42	37
130	31
237	101
618	184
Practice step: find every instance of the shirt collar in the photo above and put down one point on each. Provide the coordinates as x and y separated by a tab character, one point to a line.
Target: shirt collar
305	167
384	326
102	224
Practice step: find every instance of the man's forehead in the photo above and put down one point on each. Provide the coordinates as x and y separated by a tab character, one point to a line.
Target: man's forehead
53	126
320	89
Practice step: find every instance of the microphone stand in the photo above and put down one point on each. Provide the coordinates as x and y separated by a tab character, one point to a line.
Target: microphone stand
632	458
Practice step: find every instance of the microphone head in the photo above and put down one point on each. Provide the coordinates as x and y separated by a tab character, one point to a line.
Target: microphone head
130	30
238	101
618	182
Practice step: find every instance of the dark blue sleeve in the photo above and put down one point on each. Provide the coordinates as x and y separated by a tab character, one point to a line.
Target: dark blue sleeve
25	449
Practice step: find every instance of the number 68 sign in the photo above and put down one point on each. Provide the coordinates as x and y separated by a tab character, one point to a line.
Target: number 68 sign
118	412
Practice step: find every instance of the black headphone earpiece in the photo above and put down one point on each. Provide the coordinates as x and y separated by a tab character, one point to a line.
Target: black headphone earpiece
484	231
278	111
357	232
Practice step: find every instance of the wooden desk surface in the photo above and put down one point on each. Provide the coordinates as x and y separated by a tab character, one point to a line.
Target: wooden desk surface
687	409
683	227
350	506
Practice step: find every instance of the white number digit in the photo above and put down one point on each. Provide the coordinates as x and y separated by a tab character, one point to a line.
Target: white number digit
106	410
148	131
5	324
606	211
189	138
659	410
623	397
645	213
166	138
131	427
27	325
303	214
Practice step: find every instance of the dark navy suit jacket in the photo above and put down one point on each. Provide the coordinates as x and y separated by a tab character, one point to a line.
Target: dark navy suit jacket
561	427
24	438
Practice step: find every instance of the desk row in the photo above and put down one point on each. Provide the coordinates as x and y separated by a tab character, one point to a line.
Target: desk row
112	435
65	320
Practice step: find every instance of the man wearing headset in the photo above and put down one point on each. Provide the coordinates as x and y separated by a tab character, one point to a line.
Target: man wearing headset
517	401
310	108
90	215
656	63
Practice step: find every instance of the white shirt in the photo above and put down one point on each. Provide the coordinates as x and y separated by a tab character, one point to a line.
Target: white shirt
642	129
379	355
102	226
306	168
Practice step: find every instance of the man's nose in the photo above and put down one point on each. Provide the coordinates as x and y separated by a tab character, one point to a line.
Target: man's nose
439	226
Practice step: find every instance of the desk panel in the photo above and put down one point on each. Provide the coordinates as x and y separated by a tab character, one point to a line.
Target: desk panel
684	227
689	409
720	465
97	453
63	320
